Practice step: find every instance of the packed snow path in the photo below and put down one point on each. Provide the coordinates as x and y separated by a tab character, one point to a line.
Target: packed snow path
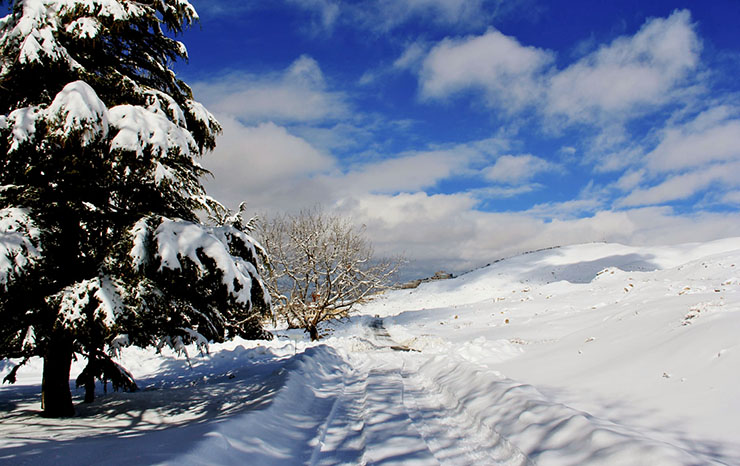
369	400
385	416
373	409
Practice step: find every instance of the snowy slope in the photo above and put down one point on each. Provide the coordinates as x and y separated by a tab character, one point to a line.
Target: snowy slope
644	337
588	354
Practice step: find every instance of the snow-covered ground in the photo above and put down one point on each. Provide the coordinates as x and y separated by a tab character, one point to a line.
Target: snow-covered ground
589	354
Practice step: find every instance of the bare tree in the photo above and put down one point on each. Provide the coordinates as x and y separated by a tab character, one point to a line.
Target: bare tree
318	267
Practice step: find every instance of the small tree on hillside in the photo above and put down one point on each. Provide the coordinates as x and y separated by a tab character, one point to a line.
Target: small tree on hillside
319	266
100	241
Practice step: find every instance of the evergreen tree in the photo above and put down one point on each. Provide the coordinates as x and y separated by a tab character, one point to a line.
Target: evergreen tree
100	242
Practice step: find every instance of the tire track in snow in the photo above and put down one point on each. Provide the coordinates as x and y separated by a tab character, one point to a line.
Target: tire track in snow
384	416
454	436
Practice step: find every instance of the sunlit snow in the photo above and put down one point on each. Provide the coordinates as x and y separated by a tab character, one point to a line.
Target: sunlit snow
592	354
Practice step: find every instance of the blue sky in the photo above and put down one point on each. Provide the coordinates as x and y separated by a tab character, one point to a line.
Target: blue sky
460	131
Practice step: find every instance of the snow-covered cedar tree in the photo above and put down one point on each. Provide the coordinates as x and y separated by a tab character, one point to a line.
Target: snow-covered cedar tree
319	267
100	195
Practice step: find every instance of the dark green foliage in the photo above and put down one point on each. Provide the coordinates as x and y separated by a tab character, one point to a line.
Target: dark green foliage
90	192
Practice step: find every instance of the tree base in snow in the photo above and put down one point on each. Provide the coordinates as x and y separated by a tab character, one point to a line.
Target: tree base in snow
56	397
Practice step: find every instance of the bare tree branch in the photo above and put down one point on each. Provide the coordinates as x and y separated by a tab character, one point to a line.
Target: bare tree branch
319	267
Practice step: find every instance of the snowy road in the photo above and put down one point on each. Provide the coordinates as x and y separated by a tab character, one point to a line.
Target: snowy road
385	415
368	400
361	398
376	409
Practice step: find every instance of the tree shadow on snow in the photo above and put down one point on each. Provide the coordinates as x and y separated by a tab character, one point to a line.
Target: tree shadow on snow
171	411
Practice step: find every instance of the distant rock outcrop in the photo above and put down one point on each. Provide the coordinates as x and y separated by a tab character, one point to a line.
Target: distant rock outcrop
439	275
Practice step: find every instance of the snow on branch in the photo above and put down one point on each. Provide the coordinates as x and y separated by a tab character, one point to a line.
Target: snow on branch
22	123
163	104
39	23
86	27
140	129
115	9
177	240
77	107
35	32
101	295
199	112
19	243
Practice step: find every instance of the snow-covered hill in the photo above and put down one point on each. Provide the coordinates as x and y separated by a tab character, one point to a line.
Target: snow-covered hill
644	337
588	354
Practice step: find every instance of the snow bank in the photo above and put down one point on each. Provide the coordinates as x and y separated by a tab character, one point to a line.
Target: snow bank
283	432
545	432
624	356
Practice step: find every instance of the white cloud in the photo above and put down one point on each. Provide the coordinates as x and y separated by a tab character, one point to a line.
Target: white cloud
386	15
504	192
697	155
433	231
412	56
447	232
612	84
221	7
410	59
383	16
711	137
514	169
276	169
733	197
507	72
571	209
297	94
631	72
686	185
410	172
630	180
249	160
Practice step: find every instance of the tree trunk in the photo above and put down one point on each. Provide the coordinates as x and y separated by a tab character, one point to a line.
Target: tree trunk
56	398
313	332
90	390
